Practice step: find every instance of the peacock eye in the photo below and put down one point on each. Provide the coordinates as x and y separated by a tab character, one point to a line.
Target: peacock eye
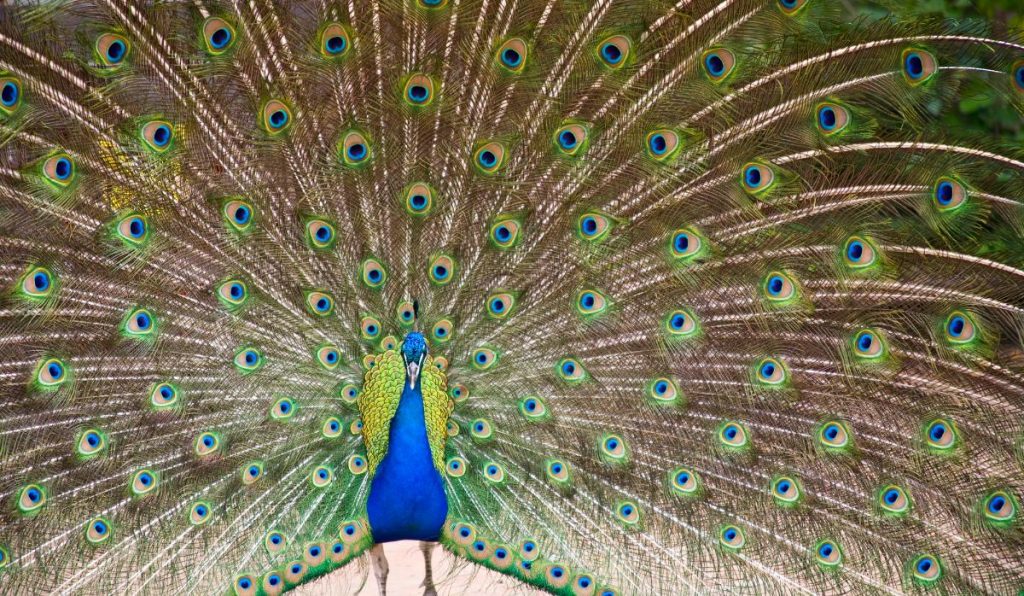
419	90
483	358
157	135
504	233
335	41
614	51
831	118
238	214
354	148
949	194
511	55
791	7
489	157
926	569
320	303
731	537
419	198
757	178
218	36
10	95
828	554
919	66
442	269
571	370
681	324
571	139
500	305
593	226
719	64
869	345
373	273
59	169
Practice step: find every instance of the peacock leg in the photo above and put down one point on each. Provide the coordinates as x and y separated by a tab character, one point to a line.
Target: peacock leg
380	567
428	578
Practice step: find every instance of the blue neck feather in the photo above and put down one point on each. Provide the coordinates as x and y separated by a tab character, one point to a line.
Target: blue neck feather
407	498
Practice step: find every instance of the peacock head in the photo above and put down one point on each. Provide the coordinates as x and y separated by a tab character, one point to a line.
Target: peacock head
414	351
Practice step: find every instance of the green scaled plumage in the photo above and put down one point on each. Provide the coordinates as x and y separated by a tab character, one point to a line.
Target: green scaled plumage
715	301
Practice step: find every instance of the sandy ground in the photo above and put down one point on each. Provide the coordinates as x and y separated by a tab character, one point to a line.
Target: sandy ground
451	576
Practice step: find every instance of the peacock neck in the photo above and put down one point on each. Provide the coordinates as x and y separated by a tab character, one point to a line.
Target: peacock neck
407	500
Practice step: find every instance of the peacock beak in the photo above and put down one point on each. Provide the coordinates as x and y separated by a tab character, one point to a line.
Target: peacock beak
412	371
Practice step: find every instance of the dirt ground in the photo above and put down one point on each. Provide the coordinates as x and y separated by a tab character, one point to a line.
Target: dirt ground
451	576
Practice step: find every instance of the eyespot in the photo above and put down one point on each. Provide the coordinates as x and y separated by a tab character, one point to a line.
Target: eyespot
828	554
593	226
613	449
244	585
352	531
1017	75
405	313
919	66
442	330
489	157
533	408
528	550
207	443
481	429
163	396
419	90
493	472
373	273
442	269
681	324
834	434
571	139
200	513
941	435
419	198
556	575
218	35
557	471
51	373
451	429
686	245
511	55
97	530
10	98
570	370
139	323
275	542
320	234
354	148
328	356
483	358
505	233
111	49
459	393
791	7
732	435
831	118
500	304
91	441
1000	507
157	135
38	282
771	371
59	169
273	584
248	360
786	490
314	554
238	214
757	178
614	51
276	117
294	572
502	558
133	230
356	428
949	194
893	500
331	428
869	344
251	472
590	303
335	41
432	4
731	537
320	303
232	293
926	569
662	144
663	391
779	287
369	327
321	476
144	482
357	464
349	393
31	498
960	328
718	63
456	467
684	482
628	513
859	253
283	408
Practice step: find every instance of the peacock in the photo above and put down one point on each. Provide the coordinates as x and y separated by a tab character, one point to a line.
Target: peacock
609	296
